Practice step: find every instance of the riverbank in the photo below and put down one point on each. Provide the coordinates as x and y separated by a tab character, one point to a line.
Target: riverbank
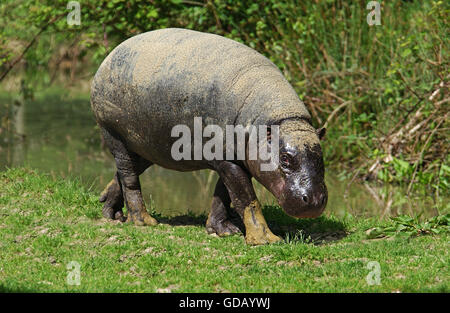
46	223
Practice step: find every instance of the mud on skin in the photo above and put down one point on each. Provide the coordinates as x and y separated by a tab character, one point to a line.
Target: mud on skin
156	80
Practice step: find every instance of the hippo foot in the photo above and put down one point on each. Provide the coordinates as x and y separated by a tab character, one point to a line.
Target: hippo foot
257	232
113	199
112	214
222	229
142	219
261	238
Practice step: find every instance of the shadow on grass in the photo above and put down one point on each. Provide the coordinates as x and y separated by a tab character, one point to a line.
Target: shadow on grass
189	219
310	230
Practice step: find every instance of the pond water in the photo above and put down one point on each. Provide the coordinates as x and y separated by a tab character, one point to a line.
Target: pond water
56	133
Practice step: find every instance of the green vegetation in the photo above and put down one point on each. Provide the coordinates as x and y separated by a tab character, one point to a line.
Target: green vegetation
45	224
408	226
381	90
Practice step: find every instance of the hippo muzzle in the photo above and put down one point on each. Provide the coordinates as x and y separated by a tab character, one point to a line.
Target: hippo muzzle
303	200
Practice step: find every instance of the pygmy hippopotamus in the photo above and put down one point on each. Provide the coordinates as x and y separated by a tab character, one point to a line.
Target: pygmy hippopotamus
157	80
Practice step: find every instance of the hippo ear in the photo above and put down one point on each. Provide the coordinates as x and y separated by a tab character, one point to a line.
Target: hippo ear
321	132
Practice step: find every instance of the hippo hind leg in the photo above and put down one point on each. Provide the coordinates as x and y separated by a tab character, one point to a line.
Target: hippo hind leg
112	195
125	187
113	198
218	219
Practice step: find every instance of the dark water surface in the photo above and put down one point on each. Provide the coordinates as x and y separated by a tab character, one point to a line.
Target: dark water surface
56	133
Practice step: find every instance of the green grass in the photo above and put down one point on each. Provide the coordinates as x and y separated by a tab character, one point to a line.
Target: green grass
47	223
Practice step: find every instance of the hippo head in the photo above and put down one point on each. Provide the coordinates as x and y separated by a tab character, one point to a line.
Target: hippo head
298	180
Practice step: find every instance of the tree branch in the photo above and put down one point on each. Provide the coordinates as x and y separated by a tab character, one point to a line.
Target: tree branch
29	46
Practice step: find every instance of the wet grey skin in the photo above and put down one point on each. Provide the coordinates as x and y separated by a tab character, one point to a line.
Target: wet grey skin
159	79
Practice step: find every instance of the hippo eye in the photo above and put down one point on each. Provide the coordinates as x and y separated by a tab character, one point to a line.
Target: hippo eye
285	160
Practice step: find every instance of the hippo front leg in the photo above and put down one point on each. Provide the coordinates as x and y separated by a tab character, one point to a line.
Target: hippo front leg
243	197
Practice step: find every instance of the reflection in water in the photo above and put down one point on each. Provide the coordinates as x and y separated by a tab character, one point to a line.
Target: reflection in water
62	139
19	132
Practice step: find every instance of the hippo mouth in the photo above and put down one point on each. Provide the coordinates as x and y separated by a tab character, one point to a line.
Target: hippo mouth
299	208
304	213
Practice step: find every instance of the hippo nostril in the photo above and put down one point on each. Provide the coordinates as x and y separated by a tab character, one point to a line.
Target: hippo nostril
305	199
